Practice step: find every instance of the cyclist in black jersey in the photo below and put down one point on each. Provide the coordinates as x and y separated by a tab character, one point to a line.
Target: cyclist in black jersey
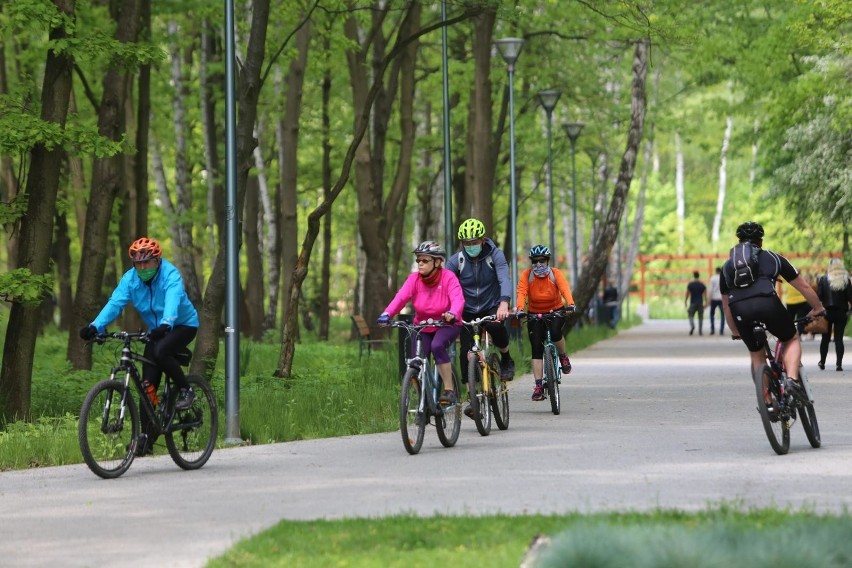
759	302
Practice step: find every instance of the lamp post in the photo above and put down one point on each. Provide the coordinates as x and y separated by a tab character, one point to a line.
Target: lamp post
572	131
510	49
548	100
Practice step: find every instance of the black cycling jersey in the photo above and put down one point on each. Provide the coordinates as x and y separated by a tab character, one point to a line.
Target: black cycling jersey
763	303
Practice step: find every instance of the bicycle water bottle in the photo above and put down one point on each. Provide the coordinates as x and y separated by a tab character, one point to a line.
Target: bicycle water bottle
151	391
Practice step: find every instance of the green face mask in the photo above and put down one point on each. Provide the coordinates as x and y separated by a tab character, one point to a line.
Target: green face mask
146	273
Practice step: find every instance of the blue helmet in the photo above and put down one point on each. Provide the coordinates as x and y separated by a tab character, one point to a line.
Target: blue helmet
539	250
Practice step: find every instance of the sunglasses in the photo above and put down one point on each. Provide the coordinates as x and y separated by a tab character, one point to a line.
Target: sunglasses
539	261
425	260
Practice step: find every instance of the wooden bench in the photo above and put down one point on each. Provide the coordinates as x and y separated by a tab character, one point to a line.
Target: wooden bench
365	341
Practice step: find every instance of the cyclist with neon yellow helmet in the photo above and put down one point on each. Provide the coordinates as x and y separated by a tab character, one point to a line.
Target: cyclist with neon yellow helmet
484	276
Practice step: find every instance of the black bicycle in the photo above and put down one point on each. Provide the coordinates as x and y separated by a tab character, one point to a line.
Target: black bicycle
109	429
418	398
780	399
552	370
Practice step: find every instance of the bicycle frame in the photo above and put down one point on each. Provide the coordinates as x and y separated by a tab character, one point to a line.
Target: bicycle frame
427	370
480	352
159	417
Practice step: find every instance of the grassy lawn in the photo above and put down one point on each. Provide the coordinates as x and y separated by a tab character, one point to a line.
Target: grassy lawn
717	538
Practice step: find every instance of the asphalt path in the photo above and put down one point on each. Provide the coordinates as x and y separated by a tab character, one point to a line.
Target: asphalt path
652	419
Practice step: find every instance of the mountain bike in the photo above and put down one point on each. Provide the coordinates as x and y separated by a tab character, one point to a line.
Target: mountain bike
109	429
489	394
418	398
552	369
780	399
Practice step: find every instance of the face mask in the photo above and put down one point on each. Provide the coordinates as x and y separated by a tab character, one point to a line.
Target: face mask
540	270
473	250
146	273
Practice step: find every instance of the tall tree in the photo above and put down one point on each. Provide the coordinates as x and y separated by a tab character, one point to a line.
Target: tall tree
37	225
107	179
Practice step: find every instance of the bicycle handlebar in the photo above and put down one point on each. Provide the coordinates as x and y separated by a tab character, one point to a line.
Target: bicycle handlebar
102	338
563	312
480	321
417	325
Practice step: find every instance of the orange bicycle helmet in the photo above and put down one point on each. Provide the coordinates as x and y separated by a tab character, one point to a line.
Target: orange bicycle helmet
144	249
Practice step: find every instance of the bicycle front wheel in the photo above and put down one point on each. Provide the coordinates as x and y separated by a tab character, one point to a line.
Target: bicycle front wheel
448	424
551	378
479	403
108	429
192	434
499	394
412	422
777	428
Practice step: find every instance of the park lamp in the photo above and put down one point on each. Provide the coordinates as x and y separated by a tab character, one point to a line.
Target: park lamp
572	130
510	49
548	99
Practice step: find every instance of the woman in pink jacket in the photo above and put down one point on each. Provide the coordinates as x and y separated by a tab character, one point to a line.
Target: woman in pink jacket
435	294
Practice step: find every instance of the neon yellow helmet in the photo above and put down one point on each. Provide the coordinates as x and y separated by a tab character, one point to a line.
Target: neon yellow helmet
471	229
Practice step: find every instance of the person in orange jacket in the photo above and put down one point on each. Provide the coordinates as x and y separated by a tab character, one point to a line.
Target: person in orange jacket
542	289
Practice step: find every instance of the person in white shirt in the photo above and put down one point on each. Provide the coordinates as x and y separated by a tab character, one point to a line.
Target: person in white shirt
716	303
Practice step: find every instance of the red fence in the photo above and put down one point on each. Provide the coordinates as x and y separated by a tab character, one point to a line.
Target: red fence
668	274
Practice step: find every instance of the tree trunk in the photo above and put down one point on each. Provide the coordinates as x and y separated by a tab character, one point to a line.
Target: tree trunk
679	192
8	180
253	320
723	180
481	150
289	164
107	180
595	264
325	283
37	229
248	91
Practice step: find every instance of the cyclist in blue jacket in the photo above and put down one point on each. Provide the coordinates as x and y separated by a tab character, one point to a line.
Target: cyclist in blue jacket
484	277
155	288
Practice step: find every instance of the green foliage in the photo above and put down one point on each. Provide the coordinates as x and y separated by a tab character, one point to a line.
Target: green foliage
24	287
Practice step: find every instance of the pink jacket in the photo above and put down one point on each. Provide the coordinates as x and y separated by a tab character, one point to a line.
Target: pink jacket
429	302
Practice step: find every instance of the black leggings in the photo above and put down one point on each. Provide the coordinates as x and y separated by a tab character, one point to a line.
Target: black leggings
538	333
837	321
163	353
497	330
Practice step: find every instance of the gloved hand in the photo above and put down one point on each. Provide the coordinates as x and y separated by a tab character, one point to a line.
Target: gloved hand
158	332
384	319
88	333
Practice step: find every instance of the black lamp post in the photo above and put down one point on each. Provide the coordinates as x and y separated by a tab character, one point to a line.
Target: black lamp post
548	99
510	49
572	130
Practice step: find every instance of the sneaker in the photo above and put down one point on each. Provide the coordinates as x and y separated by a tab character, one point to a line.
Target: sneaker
565	363
468	411
538	392
821	365
448	398
507	369
185	399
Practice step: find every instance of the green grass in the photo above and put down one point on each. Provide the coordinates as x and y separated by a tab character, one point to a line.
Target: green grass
716	538
332	392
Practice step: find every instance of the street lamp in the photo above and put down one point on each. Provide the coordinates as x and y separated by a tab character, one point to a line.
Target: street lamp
510	49
572	131
548	100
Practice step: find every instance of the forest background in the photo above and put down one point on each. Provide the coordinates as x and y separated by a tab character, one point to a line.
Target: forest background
697	116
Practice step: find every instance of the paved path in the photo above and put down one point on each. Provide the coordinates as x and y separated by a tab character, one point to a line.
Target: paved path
652	418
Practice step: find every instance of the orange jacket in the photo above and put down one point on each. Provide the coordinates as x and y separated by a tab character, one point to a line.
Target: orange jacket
543	294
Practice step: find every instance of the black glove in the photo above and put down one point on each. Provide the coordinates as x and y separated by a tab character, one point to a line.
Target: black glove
384	320
158	332
88	333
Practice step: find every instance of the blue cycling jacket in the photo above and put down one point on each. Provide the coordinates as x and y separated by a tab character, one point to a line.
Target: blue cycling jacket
162	300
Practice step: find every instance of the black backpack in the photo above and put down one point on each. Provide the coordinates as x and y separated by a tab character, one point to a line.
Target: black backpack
745	263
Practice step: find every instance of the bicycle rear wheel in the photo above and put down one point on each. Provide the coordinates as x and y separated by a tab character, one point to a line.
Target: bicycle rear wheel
108	429
777	429
551	378
192	434
478	399
448	425
499	393
412	422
